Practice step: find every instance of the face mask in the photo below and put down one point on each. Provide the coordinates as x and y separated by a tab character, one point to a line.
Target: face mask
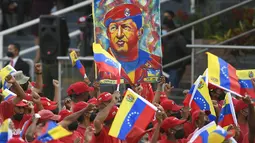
164	32
221	97
177	115
179	134
10	54
73	126
92	116
18	117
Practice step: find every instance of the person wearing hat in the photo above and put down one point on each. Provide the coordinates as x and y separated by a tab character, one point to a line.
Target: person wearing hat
39	122
84	121
104	119
124	30
79	91
172	127
171	108
103	100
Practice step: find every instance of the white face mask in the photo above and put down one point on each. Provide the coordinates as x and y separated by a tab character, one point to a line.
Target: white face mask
164	32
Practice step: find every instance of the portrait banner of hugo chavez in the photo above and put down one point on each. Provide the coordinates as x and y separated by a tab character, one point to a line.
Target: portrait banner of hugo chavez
130	31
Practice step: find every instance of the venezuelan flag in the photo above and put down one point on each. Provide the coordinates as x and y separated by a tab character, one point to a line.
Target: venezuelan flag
5	72
222	74
77	63
218	135
8	94
5	131
227	114
134	111
52	131
202	135
245	77
201	99
106	62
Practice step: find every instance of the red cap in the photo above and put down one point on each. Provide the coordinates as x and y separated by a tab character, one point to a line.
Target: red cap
93	101
16	140
48	104
79	106
170	105
112	113
123	12
135	134
163	97
48	115
22	103
104	97
78	88
171	122
63	114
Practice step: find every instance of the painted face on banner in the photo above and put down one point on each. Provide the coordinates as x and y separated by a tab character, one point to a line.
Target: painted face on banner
123	35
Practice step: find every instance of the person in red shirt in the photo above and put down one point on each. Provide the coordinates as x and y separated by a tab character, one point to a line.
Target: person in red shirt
79	91
103	121
171	108
38	124
172	127
72	128
11	102
84	122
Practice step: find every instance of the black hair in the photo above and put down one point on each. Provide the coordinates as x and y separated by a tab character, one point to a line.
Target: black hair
17	46
171	13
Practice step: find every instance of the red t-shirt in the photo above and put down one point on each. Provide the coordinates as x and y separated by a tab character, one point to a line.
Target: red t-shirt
71	138
81	131
188	128
246	138
244	128
19	124
103	137
178	141
6	109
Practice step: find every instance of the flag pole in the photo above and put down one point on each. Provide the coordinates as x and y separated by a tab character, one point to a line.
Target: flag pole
118	83
94	34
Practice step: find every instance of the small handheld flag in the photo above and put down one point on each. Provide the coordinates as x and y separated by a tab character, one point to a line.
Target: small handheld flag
77	63
5	131
53	131
227	114
245	77
8	94
134	111
222	75
5	72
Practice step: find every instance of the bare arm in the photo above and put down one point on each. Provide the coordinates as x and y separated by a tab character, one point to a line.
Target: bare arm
29	135
39	79
56	90
159	90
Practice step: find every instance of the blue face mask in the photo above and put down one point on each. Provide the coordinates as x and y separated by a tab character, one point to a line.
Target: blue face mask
164	32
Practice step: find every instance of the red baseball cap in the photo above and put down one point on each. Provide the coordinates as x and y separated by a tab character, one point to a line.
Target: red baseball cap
112	113
79	106
92	101
170	105
104	97
171	122
22	103
48	104
78	88
123	12
63	114
48	115
16	140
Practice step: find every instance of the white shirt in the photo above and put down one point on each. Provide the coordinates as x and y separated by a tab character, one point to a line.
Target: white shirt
14	61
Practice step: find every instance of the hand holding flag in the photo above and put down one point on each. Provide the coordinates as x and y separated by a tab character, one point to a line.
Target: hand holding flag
7	70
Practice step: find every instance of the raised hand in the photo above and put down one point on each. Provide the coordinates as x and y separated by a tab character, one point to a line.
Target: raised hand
10	79
36	97
38	68
55	83
168	87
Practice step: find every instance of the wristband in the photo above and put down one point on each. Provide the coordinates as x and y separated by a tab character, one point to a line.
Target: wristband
38	73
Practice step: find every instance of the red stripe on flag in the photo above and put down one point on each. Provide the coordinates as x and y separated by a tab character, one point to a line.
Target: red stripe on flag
106	68
194	105
227	120
233	79
145	117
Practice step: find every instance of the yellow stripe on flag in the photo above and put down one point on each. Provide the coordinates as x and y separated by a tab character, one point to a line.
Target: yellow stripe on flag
213	69
73	57
59	132
97	49
245	74
125	107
